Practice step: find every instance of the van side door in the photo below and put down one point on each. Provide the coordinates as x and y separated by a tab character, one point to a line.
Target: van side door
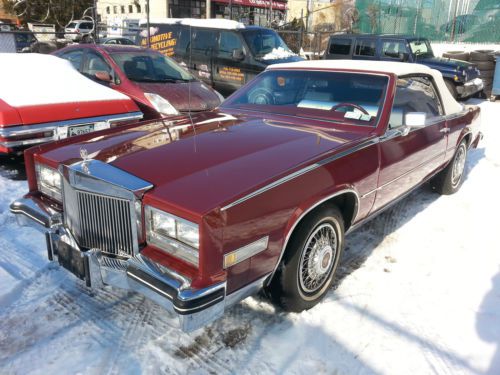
229	62
203	45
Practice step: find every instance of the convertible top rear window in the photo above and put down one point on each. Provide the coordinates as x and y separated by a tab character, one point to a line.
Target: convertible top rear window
346	97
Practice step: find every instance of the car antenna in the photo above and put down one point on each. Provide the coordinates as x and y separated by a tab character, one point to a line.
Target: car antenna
189	82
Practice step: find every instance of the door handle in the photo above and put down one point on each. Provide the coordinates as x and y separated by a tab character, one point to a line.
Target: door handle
445	130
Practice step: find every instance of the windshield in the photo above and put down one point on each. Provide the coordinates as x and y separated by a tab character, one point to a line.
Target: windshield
421	48
342	97
150	67
263	41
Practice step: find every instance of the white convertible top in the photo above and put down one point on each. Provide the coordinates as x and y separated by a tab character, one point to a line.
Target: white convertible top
399	68
213	23
28	79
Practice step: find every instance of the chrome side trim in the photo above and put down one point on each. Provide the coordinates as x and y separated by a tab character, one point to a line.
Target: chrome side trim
247	291
289	234
300	172
245	252
403	175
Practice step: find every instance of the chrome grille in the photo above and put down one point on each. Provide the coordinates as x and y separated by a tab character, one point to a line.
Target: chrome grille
103	223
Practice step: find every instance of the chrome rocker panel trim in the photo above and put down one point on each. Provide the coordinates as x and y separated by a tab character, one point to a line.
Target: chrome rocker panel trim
194	307
14	131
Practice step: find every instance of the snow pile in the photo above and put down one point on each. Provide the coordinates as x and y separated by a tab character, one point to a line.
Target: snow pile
278	53
213	23
35	79
418	292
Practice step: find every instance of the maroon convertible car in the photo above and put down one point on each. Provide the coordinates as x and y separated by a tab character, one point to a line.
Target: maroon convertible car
199	214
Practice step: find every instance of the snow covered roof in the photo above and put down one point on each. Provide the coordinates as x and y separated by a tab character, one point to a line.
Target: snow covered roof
398	68
35	79
214	23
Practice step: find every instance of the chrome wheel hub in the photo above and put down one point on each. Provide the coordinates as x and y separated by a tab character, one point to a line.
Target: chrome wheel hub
458	166
318	257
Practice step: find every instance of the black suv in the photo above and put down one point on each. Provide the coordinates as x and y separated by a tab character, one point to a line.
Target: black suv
462	78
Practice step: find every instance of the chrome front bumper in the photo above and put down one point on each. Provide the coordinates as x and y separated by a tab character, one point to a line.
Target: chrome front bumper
194	307
470	88
56	130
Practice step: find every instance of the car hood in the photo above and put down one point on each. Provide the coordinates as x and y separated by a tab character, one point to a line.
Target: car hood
221	158
445	62
195	95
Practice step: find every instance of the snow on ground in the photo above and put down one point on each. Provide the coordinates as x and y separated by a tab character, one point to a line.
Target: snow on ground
418	293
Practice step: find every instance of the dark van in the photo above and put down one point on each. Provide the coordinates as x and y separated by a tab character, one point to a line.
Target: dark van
461	78
225	54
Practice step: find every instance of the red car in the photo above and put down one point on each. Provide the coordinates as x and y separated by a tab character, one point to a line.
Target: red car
42	98
158	85
258	194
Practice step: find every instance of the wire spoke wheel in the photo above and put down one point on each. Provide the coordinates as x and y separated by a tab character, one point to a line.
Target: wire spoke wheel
318	258
458	165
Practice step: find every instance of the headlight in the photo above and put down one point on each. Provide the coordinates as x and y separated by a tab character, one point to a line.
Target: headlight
49	181
162	105
176	236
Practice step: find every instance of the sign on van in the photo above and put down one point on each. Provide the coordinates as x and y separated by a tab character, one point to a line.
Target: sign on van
164	42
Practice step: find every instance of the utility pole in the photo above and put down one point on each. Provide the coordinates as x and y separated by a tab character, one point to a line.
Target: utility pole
453	25
147	23
96	24
209	9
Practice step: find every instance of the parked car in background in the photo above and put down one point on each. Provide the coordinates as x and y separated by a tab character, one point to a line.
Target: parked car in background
117	40
53	102
155	82
79	30
462	78
223	53
258	194
24	40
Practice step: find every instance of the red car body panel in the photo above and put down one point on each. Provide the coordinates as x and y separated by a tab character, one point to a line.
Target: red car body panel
200	171
37	114
194	96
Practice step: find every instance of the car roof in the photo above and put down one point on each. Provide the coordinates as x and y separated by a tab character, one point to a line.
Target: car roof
398	68
109	48
213	23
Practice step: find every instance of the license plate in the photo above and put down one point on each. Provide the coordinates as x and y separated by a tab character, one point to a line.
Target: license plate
73	260
79	130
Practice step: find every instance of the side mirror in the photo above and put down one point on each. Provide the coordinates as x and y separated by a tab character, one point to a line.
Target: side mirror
238	54
103	76
403	56
415	119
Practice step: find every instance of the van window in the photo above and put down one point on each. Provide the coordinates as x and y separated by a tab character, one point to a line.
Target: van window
183	40
204	41
392	48
365	47
340	46
228	42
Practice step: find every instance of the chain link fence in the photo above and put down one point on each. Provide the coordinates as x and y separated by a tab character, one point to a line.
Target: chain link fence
452	21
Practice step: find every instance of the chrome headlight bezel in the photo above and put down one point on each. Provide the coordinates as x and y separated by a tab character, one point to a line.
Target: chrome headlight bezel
172	234
49	181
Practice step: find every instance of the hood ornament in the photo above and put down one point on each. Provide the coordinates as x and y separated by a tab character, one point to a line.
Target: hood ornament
84	154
